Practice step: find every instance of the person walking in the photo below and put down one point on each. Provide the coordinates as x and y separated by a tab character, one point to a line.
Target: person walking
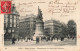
13	40
37	40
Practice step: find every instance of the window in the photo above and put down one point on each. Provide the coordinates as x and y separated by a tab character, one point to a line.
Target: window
10	25
14	17
9	30
6	19
10	16
18	21
14	20
14	24
10	22
12	30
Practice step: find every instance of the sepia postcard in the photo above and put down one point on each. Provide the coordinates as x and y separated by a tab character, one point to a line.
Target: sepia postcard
39	25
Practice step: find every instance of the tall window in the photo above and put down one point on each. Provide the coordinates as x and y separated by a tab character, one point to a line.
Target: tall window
14	21
10	20
14	24
17	21
6	19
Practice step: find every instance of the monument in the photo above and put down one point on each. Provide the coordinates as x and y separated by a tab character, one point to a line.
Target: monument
39	25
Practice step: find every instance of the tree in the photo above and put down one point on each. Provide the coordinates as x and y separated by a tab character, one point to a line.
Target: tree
71	28
64	30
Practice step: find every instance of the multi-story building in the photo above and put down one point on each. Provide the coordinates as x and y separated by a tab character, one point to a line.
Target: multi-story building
52	27
27	26
11	24
31	26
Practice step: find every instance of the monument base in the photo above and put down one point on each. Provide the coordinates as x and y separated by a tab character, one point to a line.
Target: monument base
39	35
34	38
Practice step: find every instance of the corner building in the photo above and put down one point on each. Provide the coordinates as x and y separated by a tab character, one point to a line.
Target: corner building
11	24
52	28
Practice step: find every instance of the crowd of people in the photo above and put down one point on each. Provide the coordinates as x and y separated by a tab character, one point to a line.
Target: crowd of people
38	39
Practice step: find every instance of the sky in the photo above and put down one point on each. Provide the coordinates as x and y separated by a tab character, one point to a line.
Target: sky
32	8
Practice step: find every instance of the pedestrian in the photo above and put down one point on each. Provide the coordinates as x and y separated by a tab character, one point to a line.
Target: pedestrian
46	38
13	40
31	38
57	38
72	37
51	38
62	38
37	40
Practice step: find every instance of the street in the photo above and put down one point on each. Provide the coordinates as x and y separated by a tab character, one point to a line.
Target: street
66	42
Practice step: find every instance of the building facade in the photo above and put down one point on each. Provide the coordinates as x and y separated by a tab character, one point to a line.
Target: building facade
52	28
27	26
11	24
31	26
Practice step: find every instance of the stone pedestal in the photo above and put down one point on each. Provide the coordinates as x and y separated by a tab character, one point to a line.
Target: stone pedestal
39	30
38	34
